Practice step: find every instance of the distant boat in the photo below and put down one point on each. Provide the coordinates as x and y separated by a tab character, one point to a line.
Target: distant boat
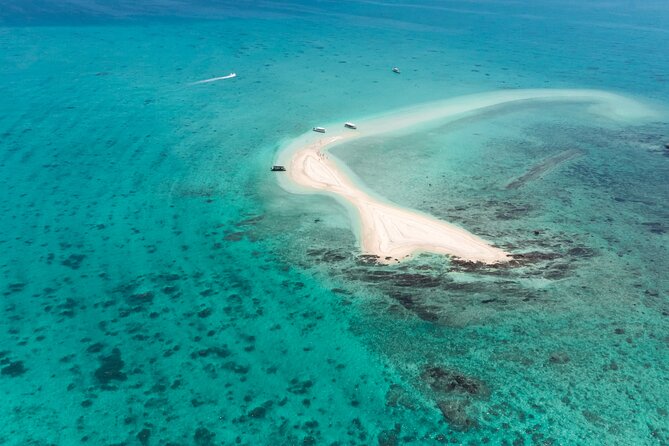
319	129
350	125
396	70
278	169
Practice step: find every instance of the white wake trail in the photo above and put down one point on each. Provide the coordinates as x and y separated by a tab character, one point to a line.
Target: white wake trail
214	79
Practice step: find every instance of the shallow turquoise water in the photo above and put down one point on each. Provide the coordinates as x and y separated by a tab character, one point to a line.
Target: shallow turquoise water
160	288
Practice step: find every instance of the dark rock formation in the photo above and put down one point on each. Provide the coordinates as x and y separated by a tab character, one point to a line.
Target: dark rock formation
415	306
328	255
455	414
449	381
581	251
535	256
415	280
368	259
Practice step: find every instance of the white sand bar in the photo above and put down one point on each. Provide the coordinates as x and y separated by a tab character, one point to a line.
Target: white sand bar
393	232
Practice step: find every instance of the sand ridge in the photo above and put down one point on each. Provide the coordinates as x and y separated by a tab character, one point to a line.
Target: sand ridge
392	232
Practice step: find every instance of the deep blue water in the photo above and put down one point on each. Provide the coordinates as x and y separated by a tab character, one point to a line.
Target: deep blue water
159	287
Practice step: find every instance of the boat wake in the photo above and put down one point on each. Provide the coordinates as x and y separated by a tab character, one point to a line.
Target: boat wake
214	79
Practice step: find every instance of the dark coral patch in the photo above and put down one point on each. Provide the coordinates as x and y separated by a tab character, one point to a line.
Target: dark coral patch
455	414
111	368
74	261
14	369
558	358
221	352
141	298
143	436
14	288
390	437
205	313
258	412
204	437
449	381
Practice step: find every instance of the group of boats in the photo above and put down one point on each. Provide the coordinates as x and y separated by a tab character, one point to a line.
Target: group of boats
348	125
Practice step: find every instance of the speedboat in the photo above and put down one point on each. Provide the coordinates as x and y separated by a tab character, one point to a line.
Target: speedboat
396	70
350	125
319	129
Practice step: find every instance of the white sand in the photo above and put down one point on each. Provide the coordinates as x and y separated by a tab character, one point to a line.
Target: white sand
390	231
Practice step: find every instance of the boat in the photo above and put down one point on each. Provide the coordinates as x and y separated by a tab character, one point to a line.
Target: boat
350	125
396	70
278	169
319	129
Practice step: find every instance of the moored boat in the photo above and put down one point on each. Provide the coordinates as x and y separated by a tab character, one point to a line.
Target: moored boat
350	125
319	129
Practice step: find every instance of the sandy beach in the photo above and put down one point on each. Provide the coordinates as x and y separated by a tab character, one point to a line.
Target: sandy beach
392	232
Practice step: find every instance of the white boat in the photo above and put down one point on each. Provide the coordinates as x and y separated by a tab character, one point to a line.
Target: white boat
350	125
319	129
396	70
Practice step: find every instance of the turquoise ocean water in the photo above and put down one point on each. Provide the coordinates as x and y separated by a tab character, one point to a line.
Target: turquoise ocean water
160	288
